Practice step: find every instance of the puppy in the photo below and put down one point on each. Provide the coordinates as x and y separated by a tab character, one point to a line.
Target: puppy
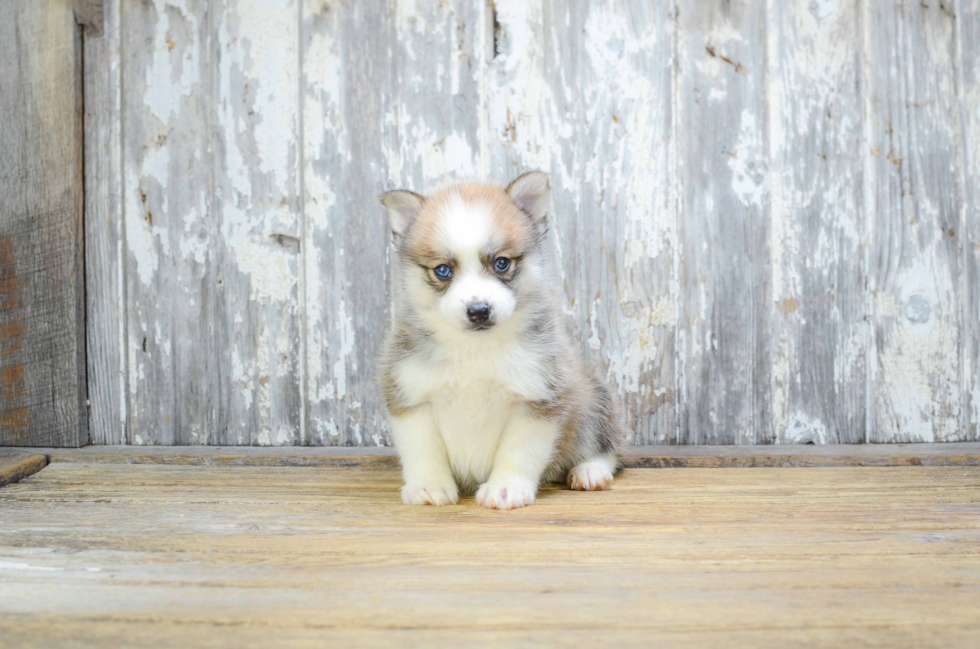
483	387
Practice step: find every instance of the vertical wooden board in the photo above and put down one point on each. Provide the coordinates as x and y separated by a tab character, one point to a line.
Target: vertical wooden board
818	227
968	19
725	311
518	99
345	81
104	258
167	81
584	90
256	214
435	110
42	305
916	200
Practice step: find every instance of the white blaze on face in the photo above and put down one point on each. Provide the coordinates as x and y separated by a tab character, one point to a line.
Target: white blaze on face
466	230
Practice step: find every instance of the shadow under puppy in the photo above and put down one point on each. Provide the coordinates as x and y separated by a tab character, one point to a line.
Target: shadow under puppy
483	387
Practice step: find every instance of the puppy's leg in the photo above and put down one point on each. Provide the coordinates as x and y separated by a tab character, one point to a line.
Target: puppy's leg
601	436
425	465
526	448
593	475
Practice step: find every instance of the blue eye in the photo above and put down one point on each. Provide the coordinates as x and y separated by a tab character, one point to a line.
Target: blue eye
501	264
443	271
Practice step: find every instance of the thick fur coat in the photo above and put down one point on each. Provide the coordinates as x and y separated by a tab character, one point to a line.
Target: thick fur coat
483	387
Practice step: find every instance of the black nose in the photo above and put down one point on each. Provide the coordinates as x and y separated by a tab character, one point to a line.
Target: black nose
478	312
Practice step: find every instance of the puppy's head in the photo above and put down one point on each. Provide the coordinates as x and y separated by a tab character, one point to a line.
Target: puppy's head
469	255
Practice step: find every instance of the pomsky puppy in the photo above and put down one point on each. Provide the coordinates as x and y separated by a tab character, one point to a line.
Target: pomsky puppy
483	387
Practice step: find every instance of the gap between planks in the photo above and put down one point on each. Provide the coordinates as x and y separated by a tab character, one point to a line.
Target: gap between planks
871	455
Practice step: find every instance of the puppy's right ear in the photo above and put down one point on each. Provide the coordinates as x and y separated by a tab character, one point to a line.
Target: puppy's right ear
403	206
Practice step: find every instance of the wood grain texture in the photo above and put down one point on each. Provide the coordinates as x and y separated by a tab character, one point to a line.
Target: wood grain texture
42	293
346	81
662	456
725	304
759	557
168	200
105	279
968	39
747	201
15	466
819	312
255	276
915	206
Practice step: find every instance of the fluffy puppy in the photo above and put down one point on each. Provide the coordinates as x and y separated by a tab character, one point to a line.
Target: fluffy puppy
483	387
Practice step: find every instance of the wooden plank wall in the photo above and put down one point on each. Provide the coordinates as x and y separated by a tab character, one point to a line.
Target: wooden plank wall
968	87
766	213
42	294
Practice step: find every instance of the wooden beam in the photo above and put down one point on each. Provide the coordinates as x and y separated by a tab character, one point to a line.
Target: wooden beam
104	247
17	465
42	301
953	454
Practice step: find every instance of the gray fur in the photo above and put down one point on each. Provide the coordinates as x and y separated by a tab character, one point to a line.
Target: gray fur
578	400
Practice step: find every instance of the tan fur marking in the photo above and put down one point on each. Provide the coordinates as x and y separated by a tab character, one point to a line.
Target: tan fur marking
508	220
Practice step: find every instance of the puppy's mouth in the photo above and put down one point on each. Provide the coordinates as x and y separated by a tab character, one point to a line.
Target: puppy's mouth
483	326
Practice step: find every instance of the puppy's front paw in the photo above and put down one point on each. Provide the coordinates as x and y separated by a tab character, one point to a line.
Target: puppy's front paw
435	494
506	494
594	475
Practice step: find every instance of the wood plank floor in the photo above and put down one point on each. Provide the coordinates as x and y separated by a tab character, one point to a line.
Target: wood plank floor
636	457
158	555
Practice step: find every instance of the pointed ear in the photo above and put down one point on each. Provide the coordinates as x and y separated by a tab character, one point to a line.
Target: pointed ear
531	191
403	206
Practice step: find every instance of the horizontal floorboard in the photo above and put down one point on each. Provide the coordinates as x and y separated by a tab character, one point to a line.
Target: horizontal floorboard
951	454
96	554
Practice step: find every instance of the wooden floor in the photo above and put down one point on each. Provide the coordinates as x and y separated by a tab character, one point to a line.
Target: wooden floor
96	554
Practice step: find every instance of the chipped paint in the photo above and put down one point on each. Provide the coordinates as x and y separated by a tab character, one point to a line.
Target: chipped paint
819	328
345	329
712	190
968	84
639	329
750	180
802	429
172	71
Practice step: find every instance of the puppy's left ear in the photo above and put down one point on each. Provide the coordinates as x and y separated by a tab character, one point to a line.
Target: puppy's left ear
403	206
531	191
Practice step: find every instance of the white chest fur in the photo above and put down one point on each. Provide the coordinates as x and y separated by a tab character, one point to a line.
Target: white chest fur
473	392
471	419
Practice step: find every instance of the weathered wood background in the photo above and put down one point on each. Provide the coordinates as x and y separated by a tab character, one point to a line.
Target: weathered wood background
766	213
42	292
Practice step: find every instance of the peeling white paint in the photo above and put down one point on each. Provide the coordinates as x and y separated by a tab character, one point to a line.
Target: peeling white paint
346	336
750	180
803	429
640	327
597	98
270	270
242	377
824	9
171	79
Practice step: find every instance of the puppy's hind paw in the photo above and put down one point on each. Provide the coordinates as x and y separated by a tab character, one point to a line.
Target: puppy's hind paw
447	494
593	475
